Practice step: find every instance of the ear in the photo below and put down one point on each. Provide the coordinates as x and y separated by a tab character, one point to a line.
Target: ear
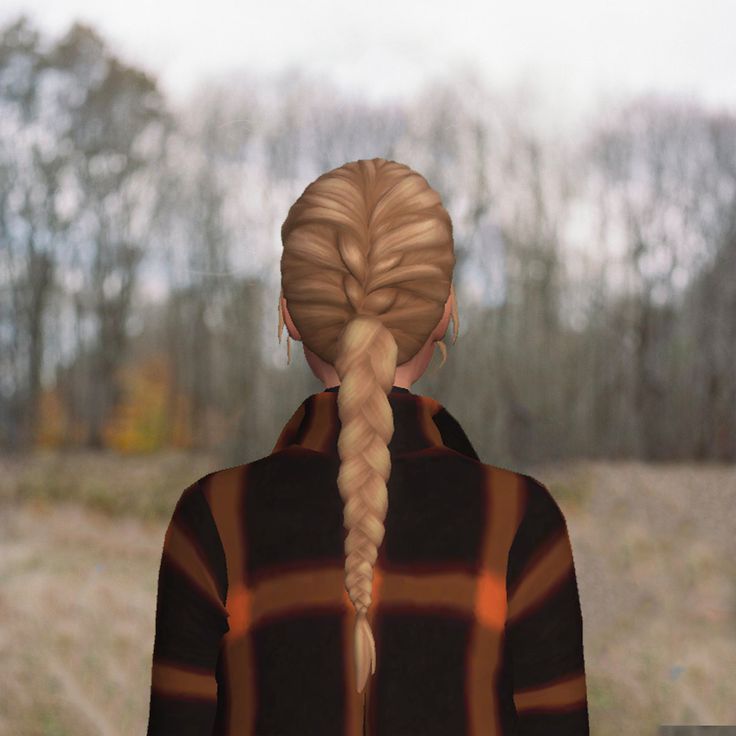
445	320
290	326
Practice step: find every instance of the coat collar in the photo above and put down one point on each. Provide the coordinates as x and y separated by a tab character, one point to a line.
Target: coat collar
315	424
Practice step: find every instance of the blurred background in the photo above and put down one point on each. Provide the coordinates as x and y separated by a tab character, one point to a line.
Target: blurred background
148	156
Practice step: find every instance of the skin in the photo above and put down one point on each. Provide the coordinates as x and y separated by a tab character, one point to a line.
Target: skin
406	374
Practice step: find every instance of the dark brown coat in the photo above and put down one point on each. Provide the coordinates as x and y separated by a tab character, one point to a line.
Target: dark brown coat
475	608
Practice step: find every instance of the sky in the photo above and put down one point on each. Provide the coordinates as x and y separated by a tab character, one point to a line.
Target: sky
570	53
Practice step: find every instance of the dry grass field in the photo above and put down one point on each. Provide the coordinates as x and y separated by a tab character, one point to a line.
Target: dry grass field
81	537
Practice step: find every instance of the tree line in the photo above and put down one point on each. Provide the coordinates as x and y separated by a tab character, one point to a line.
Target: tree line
139	258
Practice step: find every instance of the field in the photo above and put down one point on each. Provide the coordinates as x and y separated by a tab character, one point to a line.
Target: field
655	554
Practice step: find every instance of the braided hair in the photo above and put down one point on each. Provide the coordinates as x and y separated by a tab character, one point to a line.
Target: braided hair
366	270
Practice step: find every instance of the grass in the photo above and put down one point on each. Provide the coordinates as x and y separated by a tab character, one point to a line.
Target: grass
142	486
571	486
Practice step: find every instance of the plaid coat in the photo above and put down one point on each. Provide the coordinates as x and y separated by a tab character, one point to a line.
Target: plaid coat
475	609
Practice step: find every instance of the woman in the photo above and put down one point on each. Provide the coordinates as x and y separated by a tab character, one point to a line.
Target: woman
451	605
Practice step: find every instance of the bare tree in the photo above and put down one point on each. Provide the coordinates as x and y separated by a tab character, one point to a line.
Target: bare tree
116	121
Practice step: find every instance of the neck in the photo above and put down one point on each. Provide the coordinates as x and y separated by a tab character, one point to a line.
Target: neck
406	374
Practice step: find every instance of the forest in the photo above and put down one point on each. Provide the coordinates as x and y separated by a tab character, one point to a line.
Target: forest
140	247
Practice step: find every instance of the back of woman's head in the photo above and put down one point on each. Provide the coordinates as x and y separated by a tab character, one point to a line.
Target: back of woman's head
366	271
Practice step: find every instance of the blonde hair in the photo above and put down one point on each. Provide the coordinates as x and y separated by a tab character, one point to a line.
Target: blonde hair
366	270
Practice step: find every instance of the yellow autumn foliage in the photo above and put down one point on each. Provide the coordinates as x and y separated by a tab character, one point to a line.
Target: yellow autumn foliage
147	419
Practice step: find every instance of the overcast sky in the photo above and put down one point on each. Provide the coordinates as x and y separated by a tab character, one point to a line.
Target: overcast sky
570	51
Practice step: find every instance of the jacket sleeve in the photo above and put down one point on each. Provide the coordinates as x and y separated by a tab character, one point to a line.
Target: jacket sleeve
190	621
544	624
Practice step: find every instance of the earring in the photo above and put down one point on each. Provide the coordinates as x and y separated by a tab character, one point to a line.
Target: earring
443	349
280	331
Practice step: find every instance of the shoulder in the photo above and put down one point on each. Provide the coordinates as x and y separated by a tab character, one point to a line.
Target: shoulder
190	501
510	482
542	532
539	501
524	501
226	481
533	495
224	489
